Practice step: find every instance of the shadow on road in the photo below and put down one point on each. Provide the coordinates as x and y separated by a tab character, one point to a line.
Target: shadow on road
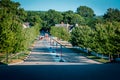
41	49
1	63
60	72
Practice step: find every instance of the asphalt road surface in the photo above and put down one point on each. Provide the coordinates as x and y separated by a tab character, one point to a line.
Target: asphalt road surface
60	72
42	64
45	52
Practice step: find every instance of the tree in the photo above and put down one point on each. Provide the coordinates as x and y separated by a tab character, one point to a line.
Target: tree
85	11
106	38
81	36
60	32
21	15
112	15
53	17
67	16
13	37
95	20
33	18
77	19
8	13
103	38
6	35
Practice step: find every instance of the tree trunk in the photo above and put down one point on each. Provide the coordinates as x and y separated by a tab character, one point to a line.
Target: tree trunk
109	57
102	56
6	57
118	55
10	57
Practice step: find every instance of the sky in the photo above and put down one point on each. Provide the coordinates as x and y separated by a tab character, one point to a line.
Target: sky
99	6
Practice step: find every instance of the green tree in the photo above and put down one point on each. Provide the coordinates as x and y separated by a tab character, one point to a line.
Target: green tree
13	37
112	15
8	13
60	32
67	16
103	38
81	36
6	35
77	19
33	18
85	11
95	20
53	17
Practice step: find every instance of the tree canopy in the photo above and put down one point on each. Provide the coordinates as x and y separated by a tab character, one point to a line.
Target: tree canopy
103	38
85	11
112	15
13	36
60	32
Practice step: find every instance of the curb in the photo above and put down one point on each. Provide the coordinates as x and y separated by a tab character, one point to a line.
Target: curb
20	61
16	63
27	56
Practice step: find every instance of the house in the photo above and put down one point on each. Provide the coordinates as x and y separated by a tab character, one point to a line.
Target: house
26	25
62	25
69	27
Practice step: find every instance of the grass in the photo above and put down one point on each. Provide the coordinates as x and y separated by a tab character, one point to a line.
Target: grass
98	59
21	56
92	57
13	59
17	57
102	60
2	57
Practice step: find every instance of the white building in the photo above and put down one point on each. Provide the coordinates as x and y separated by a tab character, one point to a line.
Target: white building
26	25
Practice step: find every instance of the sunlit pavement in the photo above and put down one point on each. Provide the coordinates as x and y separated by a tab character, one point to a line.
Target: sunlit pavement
43	53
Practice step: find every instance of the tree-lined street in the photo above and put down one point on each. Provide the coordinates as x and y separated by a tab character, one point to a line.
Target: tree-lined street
41	64
51	44
44	53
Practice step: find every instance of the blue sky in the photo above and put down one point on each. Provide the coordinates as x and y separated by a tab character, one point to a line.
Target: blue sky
99	6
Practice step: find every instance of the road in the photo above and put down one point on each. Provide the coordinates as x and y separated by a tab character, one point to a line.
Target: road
60	72
42	64
45	53
40	53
